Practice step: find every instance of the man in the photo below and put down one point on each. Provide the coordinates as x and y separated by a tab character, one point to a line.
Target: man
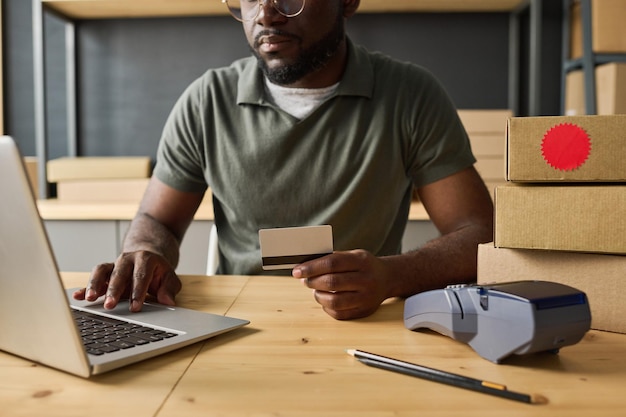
312	130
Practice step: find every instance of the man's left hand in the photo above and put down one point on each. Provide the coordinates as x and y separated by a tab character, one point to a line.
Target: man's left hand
348	285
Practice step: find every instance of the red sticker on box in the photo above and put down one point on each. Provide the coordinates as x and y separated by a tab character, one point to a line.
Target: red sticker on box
565	146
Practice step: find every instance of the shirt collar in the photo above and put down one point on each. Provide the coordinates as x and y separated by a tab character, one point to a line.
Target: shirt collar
357	80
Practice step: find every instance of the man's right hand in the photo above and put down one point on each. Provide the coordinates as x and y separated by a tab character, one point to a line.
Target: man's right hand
134	275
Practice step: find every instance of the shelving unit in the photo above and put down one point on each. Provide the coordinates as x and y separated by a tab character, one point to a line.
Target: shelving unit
589	60
101	9
72	10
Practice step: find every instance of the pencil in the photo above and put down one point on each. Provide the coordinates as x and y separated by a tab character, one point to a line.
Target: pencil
443	377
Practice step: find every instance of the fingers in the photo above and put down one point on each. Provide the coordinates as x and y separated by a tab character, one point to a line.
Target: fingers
137	274
142	276
339	271
118	281
97	284
345	305
337	262
168	289
345	296
337	282
347	285
133	275
79	294
98	281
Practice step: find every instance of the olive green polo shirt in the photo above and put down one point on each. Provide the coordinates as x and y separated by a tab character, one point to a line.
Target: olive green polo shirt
351	163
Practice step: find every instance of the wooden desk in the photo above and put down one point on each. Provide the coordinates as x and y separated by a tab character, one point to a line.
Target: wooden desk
291	361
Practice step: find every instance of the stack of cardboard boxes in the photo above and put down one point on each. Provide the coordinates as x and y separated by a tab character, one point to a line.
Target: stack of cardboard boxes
562	214
484	128
100	179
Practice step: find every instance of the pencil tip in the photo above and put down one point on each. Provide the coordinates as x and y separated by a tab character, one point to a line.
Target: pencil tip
538	399
350	352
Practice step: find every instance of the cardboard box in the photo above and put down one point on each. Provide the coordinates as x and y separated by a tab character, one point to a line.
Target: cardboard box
489	145
601	277
487	133
486	130
114	190
106	167
575	94
484	121
610	90
490	169
566	148
608	32
31	163
583	218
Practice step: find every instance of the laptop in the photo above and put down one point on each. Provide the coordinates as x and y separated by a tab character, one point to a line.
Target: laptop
37	314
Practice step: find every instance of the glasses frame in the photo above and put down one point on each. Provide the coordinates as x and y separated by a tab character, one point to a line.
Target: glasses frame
260	3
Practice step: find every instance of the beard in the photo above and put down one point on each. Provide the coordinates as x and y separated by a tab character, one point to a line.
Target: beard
308	61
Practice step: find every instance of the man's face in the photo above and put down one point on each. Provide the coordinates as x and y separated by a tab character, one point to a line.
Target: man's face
288	49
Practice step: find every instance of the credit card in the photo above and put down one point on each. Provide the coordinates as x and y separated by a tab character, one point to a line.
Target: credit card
286	247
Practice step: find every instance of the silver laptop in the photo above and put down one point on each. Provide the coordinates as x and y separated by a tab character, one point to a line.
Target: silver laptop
37	315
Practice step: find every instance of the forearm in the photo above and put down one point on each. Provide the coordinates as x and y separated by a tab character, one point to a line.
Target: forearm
147	234
449	259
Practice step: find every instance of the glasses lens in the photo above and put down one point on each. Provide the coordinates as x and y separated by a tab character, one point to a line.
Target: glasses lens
246	10
234	7
289	8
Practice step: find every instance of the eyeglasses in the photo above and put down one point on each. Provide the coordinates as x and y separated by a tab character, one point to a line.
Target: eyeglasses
247	10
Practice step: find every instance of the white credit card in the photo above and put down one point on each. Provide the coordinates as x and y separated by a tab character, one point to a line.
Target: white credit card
286	247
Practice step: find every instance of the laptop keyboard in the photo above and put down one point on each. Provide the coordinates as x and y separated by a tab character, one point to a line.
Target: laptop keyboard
103	335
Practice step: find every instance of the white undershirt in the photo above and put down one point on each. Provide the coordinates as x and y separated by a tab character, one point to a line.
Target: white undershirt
299	102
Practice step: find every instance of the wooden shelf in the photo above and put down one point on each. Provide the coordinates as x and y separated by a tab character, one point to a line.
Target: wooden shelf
53	209
101	9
